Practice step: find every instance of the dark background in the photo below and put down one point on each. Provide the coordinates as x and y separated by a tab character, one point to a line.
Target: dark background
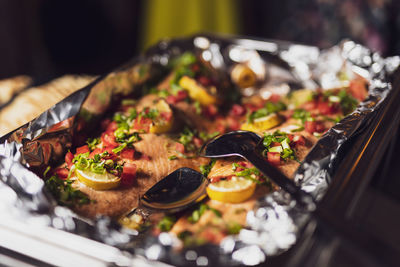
48	38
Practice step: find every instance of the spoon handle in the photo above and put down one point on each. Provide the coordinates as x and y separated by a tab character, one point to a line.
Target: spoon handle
281	180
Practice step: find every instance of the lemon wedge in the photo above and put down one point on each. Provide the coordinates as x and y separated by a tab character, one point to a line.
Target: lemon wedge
98	181
263	123
197	91
234	190
164	122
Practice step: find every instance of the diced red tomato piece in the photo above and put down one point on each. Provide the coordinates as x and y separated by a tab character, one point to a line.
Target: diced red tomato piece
82	150
319	128
104	123
274	158
210	111
111	154
128	174
237	110
274	98
299	140
203	80
195	68
68	159
358	90
310	126
108	139
142	124
180	96
94	152
62	173
314	126
325	108
197	142
275	144
180	147
166	115
112	126
310	105
128	153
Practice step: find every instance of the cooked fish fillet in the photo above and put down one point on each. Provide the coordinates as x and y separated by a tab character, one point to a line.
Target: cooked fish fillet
117	202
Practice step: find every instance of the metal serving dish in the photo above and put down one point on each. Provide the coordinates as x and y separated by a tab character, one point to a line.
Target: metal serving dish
336	171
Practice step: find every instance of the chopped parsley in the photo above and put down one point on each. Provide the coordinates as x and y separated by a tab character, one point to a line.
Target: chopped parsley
347	102
166	223
199	211
268	109
302	115
205	169
173	157
64	193
92	143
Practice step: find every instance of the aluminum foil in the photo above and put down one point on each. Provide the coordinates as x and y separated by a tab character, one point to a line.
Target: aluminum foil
274	225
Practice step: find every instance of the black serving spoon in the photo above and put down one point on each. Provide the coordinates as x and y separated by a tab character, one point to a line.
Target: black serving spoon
248	145
175	192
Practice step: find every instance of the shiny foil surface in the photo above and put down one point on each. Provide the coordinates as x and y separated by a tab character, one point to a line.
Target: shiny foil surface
274	225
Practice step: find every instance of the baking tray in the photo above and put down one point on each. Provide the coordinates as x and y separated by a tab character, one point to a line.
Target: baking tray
353	156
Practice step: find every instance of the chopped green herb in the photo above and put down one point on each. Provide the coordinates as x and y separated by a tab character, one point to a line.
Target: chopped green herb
266	110
166	223
173	157
252	174
205	169
199	211
64	193
92	143
347	102
302	115
233	228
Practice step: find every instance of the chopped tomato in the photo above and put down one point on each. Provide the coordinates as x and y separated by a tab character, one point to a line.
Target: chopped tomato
275	144
128	153
62	173
237	110
82	150
95	152
166	115
197	142
203	80
112	127
210	111
108	139
128	174
195	68
358	90
111	154
68	159
274	158
299	140
310	105
180	96
326	109
142	124
180	147
274	98
314	126
233	123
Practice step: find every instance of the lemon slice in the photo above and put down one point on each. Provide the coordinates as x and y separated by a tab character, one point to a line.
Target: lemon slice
98	181
235	190
160	124
263	123
197	91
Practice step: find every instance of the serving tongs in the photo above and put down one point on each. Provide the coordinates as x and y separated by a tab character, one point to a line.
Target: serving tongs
248	145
